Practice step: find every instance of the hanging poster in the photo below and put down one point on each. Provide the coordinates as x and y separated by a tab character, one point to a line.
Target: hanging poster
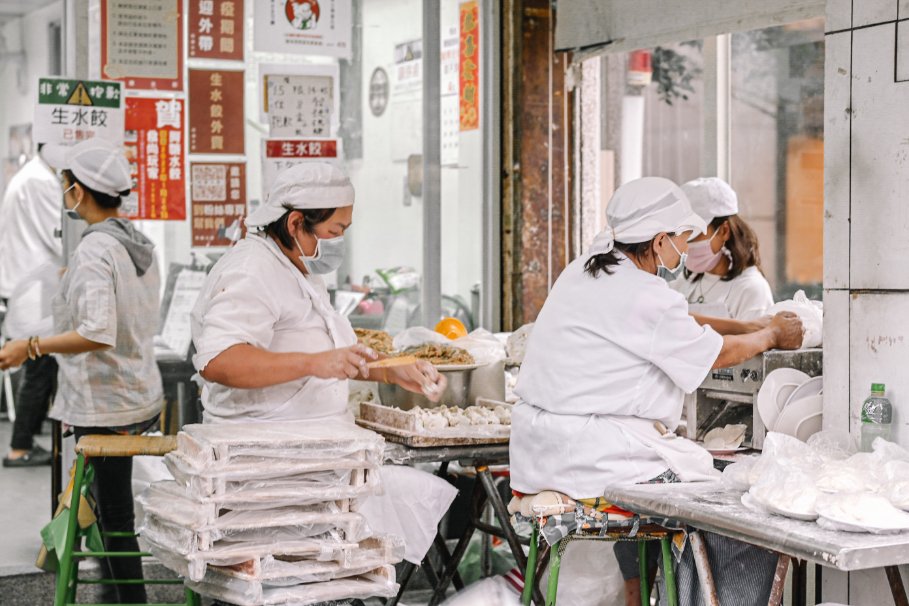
470	66
278	154
307	27
73	110
300	101
216	29
408	69
142	43
218	199
157	161
449	61
216	112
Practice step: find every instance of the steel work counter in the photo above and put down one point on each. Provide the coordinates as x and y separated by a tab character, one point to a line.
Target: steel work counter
714	507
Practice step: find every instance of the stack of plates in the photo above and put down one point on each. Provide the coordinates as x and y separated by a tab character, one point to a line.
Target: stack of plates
791	402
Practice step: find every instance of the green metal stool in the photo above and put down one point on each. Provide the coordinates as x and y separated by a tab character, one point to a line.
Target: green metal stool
70	551
646	533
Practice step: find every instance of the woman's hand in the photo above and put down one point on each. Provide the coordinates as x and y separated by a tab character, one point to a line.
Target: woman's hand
788	330
13	354
419	377
344	363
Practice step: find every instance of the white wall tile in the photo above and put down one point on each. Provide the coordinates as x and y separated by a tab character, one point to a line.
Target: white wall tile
836	360
839	15
869	12
904	9
834	586
869	587
878	351
836	159
879	213
902	49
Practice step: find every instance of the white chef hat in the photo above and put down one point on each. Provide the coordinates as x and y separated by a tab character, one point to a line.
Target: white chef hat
308	185
96	163
711	197
643	208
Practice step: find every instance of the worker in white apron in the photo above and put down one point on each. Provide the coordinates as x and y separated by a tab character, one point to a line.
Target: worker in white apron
722	275
613	350
270	347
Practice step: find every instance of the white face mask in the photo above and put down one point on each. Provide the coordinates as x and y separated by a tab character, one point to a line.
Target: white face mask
665	272
328	256
71	212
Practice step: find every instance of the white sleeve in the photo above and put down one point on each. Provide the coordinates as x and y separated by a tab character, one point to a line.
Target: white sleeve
750	299
682	348
94	298
239	311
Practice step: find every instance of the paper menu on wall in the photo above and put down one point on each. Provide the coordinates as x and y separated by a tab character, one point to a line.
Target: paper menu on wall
300	100
176	334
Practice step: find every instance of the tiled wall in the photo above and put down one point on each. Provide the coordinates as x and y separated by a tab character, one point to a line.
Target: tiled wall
866	229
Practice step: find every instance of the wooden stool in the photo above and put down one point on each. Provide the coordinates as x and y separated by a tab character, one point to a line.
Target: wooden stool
68	571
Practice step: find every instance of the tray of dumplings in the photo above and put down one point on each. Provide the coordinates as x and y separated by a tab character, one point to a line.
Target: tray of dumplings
486	422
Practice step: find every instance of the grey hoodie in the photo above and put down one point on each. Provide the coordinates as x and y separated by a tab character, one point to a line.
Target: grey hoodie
138	246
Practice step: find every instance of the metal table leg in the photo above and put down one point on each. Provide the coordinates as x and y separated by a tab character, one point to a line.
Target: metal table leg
478	498
779	581
705	576
492	494
896	585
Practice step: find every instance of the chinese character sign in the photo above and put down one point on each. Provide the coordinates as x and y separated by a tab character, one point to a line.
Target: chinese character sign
470	66
69	111
299	105
278	154
142	43
216	29
311	27
218	194
154	148
216	112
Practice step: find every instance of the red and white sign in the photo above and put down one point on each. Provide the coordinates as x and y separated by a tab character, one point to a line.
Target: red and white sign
216	29
279	154
218	195
309	27
155	149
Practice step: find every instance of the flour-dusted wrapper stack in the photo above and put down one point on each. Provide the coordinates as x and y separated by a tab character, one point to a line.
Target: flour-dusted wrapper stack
267	513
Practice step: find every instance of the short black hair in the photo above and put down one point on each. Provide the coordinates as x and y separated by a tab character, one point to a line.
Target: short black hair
103	200
311	217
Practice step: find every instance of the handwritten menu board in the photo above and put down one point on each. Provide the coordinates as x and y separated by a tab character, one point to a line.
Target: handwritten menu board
300	105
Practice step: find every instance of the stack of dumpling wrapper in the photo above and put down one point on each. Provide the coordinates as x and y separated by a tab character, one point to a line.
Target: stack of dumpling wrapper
266	513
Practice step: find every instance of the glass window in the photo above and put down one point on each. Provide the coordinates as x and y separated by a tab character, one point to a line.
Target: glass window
777	164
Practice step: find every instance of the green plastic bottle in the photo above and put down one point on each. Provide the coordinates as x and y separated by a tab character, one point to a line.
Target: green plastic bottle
877	415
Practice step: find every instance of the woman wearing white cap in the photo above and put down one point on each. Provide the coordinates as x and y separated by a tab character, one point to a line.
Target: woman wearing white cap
723	267
105	316
269	345
613	350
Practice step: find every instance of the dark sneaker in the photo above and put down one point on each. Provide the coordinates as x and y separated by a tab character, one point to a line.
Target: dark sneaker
36	457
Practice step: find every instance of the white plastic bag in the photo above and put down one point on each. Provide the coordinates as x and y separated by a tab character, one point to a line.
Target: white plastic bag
493	591
590	575
810	312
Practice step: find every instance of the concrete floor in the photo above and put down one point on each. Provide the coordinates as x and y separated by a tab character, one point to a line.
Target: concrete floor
25	508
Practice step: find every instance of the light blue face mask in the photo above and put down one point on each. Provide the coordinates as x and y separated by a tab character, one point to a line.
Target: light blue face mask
328	257
71	212
670	274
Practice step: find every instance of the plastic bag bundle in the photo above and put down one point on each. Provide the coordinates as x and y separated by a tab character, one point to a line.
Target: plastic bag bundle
267	513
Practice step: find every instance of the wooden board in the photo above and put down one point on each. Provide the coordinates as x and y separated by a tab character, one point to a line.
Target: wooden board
417	440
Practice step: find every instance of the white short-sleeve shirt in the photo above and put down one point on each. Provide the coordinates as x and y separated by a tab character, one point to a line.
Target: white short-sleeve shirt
746	297
103	299
602	349
253	296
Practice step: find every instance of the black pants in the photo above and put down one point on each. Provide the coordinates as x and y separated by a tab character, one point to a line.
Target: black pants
113	492
36	389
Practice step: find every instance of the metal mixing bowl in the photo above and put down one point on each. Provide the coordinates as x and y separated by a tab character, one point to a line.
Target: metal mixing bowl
455	393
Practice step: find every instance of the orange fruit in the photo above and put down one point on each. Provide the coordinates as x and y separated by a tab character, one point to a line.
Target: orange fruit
451	328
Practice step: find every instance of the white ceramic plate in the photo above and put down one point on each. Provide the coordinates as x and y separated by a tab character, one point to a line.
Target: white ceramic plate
863	511
811	387
726	451
781	380
795	515
801	418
